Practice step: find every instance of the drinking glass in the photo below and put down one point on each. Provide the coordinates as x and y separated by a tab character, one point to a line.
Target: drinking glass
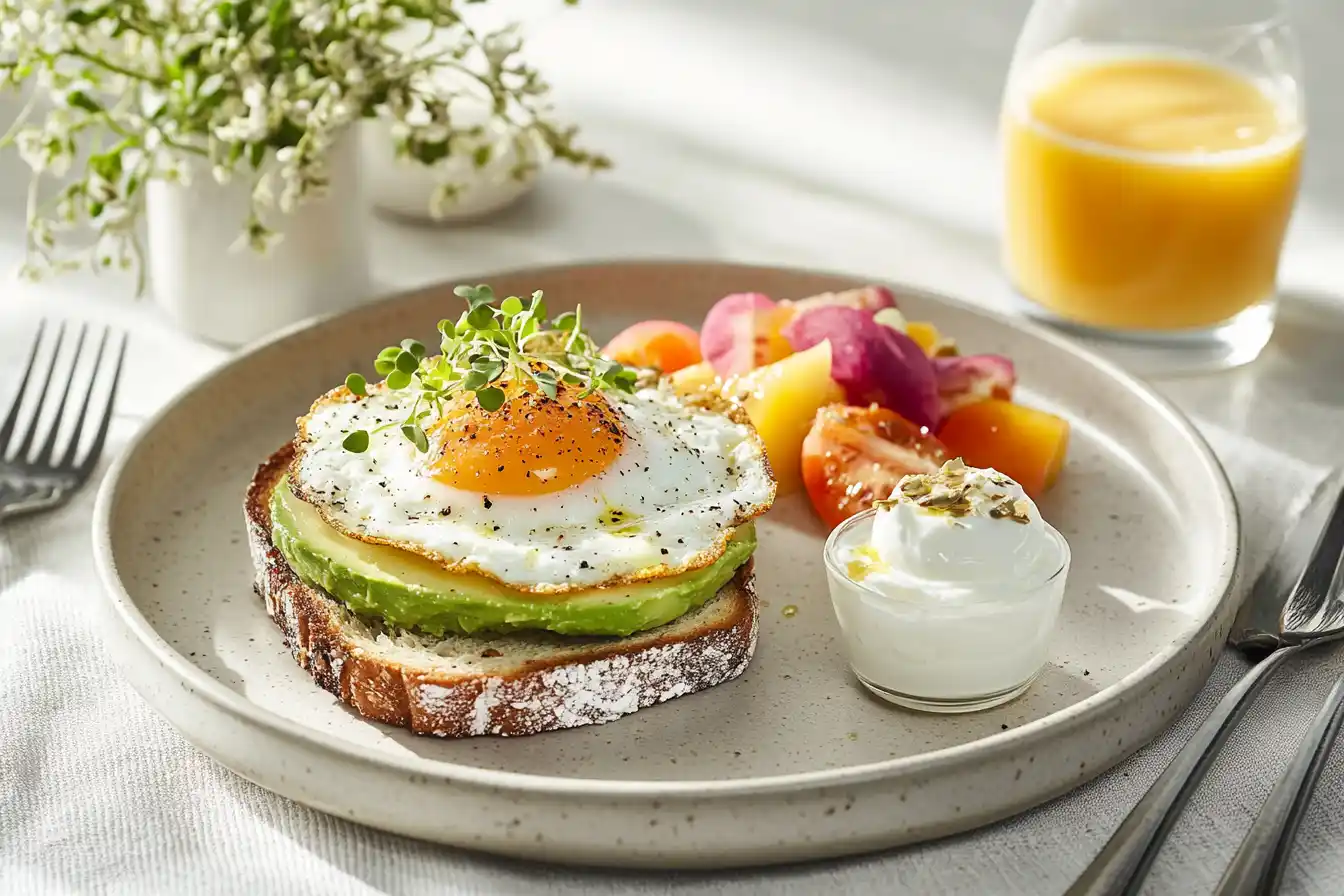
1152	151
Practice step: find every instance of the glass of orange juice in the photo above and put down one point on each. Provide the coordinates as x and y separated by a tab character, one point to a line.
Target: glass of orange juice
1152	150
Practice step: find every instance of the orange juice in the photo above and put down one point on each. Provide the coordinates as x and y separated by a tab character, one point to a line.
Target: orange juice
1147	192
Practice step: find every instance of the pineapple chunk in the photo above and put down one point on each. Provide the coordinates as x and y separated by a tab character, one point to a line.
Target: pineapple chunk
693	379
782	399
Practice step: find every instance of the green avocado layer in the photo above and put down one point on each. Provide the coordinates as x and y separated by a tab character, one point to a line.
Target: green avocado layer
409	591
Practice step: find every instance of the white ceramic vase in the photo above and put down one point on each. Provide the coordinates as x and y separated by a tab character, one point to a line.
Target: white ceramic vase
227	293
405	188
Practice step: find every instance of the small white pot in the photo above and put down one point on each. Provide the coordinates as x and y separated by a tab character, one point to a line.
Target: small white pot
227	293
405	188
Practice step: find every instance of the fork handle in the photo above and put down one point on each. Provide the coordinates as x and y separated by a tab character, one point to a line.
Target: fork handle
1123	863
1259	863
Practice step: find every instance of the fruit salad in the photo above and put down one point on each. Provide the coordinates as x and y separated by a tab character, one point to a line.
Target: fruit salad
849	396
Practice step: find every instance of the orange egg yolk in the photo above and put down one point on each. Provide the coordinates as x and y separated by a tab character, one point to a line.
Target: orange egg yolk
531	445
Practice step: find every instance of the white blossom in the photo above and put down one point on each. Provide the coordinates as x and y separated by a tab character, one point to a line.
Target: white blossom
418	115
501	45
100	189
316	20
363	9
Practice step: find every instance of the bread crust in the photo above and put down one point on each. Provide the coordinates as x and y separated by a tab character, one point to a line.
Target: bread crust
612	678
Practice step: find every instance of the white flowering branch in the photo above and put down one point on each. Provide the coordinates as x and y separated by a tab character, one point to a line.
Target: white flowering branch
261	89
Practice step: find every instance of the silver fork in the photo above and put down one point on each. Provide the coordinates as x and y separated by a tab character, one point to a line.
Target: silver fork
41	471
1314	614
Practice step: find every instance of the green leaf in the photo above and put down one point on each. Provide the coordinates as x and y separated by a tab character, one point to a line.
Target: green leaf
572	380
384	367
625	379
398	379
390	353
279	15
414	347
356	384
256	154
565	321
416	436
447	329
491	399
476	296
81	100
474	380
482	317
428	152
84	17
407	362
356	442
546	382
481	157
108	165
511	306
287	133
189	60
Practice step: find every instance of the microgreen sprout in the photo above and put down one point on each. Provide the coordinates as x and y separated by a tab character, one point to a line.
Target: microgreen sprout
490	345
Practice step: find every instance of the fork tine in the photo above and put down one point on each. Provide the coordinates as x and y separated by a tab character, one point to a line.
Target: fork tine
7	428
47	454
86	466
67	459
1312	592
22	455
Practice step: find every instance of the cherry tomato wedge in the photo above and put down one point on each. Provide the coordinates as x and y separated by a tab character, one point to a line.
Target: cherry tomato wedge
1027	444
664	344
854	455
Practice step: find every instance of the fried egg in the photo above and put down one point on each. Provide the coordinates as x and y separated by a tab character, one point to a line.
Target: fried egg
543	495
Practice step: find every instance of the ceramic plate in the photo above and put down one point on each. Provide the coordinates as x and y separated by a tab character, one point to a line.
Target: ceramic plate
790	761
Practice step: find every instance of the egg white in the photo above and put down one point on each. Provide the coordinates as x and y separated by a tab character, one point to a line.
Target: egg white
687	476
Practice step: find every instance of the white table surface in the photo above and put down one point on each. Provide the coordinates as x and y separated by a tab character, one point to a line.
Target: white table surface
856	136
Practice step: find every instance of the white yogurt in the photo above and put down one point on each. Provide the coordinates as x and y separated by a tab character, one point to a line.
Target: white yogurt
947	594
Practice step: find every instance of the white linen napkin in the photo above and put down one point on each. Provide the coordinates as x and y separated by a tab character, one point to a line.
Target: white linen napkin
98	794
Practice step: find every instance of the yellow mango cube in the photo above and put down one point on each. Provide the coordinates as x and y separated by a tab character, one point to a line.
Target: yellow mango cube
927	337
782	400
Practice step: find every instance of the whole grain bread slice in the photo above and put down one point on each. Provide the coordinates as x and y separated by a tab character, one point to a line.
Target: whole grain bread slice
517	684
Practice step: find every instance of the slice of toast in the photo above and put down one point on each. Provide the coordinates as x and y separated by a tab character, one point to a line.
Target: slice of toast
516	684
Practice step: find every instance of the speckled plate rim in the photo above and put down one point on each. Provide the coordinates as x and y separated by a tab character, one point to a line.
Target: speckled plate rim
1036	732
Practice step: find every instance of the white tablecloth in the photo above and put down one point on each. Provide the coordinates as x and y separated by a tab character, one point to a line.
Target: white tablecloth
98	794
854	135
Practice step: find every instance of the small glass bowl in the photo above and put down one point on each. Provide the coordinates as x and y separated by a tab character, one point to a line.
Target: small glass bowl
954	653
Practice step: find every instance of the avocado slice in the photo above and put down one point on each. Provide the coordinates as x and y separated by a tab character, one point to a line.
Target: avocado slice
408	591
